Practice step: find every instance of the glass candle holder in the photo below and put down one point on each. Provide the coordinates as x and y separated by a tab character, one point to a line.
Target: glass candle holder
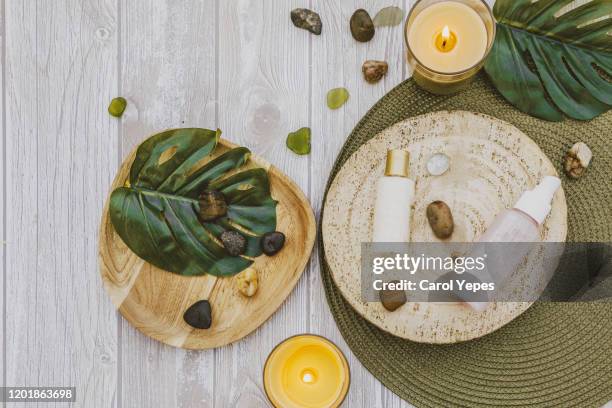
448	42
306	371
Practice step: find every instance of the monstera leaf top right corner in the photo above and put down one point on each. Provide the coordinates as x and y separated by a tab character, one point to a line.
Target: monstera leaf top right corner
553	58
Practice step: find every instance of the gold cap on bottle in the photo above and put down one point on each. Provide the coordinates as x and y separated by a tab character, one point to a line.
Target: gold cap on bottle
397	163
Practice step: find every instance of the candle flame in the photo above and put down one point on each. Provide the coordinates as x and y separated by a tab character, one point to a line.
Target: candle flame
446	32
445	41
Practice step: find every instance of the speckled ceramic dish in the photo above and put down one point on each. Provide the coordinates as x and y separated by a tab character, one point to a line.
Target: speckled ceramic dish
491	164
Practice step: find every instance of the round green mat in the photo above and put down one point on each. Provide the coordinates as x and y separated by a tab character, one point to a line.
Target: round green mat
555	354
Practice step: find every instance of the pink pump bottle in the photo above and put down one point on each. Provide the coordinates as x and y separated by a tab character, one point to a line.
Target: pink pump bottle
521	223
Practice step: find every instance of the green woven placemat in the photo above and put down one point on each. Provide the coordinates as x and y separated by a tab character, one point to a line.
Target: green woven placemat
555	354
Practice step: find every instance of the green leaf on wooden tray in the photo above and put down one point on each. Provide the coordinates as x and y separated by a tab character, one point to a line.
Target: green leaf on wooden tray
548	61
156	213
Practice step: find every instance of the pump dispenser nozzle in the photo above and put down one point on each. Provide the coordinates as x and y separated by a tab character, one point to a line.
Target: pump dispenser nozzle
536	202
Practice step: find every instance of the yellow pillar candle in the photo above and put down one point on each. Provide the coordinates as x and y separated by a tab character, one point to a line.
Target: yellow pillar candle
448	42
306	371
448	37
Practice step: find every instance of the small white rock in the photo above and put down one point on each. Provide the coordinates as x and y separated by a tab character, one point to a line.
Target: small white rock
247	282
577	159
438	164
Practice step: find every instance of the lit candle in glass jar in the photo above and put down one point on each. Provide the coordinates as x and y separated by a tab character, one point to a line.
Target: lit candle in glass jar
447	42
306	371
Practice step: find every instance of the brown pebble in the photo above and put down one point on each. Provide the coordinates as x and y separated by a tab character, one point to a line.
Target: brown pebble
362	26
373	70
392	299
307	19
440	219
212	205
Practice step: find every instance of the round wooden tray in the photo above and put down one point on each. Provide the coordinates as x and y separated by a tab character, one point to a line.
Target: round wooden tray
492	164
154	300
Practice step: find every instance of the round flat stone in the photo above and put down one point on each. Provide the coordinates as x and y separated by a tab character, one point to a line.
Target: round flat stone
438	164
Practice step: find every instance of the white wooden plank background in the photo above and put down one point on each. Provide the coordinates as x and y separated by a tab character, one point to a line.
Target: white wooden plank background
2	209
239	65
62	152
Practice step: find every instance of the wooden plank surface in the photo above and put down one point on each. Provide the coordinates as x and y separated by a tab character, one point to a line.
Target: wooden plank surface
167	57
61	70
3	237
237	65
263	77
331	128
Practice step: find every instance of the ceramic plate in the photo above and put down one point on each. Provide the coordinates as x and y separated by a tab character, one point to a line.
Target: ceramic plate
492	164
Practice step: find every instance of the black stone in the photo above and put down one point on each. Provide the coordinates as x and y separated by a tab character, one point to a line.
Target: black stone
199	315
272	242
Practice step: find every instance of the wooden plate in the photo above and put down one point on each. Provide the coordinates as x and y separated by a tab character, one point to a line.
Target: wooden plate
492	164
154	300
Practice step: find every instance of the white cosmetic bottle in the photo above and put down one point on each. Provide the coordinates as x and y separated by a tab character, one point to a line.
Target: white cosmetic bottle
520	224
394	196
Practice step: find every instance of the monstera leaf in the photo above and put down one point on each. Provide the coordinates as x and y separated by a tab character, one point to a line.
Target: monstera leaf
547	61
155	213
